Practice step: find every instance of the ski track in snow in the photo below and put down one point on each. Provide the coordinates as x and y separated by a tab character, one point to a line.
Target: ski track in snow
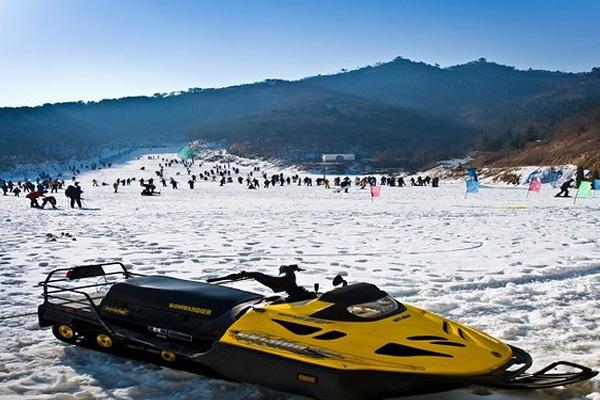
527	275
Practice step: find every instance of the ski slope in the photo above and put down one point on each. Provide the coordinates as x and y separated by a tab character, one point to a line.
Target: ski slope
526	270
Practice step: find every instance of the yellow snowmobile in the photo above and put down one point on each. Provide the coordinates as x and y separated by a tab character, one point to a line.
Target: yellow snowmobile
353	342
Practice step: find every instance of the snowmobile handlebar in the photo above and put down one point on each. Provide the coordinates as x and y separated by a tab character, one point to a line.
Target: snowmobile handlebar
286	282
239	276
229	278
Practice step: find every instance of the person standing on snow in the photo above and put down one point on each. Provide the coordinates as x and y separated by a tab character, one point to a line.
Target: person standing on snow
74	194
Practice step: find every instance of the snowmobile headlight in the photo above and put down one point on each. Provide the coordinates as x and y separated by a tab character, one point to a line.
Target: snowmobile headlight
385	305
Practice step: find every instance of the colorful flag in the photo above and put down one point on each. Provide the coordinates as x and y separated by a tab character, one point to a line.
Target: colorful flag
597	184
535	185
375	191
472	186
472	174
585	189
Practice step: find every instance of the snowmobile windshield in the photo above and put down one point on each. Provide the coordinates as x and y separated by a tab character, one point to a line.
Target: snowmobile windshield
374	309
358	302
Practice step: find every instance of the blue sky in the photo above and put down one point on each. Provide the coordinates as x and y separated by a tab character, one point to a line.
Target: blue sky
59	50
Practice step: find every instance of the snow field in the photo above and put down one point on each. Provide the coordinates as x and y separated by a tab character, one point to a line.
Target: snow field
526	270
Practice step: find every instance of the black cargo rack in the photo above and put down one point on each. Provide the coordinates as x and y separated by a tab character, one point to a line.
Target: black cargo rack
56	292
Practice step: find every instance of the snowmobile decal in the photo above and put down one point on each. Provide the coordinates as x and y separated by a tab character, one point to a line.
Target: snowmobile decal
122	311
192	309
277	343
305	319
307	378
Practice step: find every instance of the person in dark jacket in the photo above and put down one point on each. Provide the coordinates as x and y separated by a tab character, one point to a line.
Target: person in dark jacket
74	192
564	188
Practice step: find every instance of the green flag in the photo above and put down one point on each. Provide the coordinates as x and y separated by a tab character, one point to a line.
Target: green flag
585	189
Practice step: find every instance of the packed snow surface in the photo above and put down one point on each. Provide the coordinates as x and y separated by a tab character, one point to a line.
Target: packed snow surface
526	270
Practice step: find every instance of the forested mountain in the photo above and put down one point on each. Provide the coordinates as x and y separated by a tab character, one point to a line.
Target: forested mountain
577	141
401	113
485	95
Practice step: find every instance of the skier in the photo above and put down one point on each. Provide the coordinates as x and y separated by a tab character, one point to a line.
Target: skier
564	188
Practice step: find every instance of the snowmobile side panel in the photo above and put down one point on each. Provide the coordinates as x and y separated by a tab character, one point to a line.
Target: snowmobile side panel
317	381
414	341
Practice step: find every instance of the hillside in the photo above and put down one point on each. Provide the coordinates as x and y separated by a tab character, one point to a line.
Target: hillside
401	113
577	142
325	121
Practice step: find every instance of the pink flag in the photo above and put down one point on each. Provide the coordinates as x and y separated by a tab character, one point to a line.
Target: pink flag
535	185
375	191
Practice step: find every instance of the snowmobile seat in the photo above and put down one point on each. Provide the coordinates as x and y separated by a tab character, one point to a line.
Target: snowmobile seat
197	309
178	295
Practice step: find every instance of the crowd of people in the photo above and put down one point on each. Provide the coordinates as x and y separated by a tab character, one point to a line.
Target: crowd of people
224	173
40	192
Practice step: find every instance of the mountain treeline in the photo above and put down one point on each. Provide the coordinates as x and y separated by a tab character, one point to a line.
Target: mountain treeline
396	114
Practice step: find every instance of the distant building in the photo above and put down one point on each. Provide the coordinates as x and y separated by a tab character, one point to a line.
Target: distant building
338	157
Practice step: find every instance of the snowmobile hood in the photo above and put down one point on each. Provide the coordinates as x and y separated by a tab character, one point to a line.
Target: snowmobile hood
409	340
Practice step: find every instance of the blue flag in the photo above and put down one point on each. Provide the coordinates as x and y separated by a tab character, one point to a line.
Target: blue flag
472	174
472	186
596	184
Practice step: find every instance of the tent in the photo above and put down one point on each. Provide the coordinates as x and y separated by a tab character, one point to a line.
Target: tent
186	153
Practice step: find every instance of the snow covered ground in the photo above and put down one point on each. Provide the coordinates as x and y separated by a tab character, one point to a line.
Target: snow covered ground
526	270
